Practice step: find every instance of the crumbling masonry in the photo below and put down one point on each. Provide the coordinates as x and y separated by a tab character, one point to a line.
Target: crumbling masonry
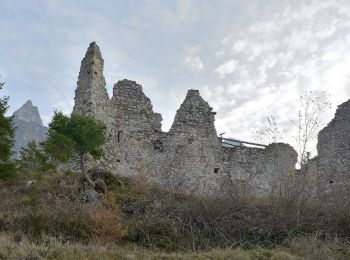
332	165
190	157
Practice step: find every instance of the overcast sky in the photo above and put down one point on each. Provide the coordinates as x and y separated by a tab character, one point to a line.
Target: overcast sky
249	59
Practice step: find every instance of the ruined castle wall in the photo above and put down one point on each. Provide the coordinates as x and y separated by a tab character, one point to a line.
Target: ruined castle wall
192	149
310	173
311	167
136	129
256	169
189	158
334	152
91	96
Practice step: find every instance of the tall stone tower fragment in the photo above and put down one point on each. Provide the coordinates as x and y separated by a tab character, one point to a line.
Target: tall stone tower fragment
135	129
91	97
334	153
193	148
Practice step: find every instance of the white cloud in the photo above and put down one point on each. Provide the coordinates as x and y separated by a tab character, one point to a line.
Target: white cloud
227	68
179	17
262	56
194	63
239	46
285	50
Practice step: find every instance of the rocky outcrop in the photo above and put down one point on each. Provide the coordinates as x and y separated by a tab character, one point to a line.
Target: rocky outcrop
29	127
190	157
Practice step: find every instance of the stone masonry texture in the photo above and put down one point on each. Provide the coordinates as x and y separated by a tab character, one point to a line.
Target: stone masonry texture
333	147
190	157
91	97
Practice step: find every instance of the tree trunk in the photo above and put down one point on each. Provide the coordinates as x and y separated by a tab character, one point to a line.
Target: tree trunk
83	169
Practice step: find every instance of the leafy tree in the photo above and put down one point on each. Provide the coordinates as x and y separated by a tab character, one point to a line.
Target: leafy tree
75	136
33	158
7	132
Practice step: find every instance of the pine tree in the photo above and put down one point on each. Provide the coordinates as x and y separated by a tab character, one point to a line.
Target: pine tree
75	136
7	132
34	159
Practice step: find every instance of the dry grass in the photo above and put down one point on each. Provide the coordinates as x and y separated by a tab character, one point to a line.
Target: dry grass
107	226
54	249
136	220
54	207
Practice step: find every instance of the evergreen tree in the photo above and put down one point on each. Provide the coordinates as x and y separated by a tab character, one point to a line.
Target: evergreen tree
7	132
75	136
34	159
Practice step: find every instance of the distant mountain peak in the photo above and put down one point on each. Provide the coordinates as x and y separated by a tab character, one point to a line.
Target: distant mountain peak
28	103
29	126
29	113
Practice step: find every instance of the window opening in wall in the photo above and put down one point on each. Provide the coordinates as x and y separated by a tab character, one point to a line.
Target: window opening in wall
119	135
158	145
216	170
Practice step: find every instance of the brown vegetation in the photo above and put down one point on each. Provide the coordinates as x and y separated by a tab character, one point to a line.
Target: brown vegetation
134	214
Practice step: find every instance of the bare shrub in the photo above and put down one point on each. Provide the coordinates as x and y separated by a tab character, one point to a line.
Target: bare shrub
107	226
153	218
192	223
141	183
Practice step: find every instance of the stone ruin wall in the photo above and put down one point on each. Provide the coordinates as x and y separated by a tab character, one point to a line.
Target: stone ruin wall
190	157
91	96
256	170
134	126
192	148
332	165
